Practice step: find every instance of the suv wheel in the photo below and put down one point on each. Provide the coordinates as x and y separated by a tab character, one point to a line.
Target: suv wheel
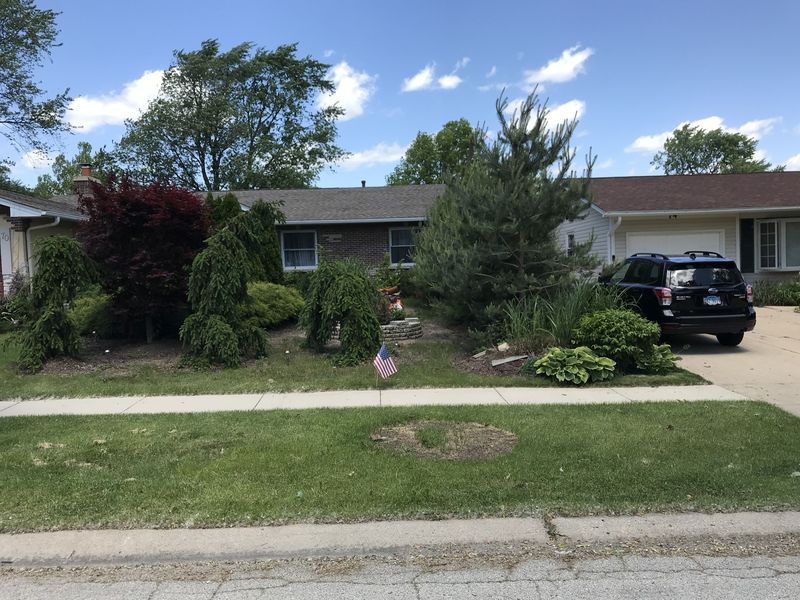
730	339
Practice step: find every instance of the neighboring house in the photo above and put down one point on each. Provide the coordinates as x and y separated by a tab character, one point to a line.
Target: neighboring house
365	223
753	218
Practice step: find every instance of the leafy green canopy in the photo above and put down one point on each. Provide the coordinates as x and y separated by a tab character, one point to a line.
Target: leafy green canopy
244	250
104	167
27	34
693	151
222	208
342	293
242	119
431	158
47	330
490	238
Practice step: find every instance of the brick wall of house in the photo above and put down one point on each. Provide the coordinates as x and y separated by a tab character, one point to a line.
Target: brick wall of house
366	242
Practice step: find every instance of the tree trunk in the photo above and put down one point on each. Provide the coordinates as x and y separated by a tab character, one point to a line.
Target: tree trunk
148	327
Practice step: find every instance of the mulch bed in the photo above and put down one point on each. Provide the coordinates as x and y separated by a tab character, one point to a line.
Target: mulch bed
464	441
483	365
116	355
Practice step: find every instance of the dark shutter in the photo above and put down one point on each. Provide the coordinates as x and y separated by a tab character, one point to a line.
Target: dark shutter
747	250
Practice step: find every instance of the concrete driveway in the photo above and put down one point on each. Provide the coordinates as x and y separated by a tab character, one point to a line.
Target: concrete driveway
766	366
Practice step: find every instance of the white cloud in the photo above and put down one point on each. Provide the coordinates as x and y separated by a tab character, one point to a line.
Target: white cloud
654	143
492	72
564	68
606	164
328	53
426	78
379	154
449	82
557	114
89	112
420	81
353	90
36	160
793	163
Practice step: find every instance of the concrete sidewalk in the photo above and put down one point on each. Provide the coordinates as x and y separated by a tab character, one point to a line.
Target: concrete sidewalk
153	546
360	399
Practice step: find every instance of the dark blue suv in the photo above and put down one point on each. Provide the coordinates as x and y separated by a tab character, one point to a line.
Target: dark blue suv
696	292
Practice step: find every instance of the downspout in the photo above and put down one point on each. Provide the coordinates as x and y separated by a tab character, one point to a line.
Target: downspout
612	240
29	241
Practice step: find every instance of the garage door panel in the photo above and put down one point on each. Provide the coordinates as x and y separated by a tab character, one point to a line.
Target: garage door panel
675	243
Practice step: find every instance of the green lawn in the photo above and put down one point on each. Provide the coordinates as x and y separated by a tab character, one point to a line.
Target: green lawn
420	364
266	467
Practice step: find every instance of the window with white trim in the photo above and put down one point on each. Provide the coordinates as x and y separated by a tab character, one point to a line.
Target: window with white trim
768	244
299	250
401	245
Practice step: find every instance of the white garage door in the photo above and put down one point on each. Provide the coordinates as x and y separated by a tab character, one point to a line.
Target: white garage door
676	243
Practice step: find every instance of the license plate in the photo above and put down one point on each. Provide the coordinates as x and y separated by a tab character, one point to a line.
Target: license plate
712	301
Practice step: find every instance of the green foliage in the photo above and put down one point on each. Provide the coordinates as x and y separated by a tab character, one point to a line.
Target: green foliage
692	150
386	276
342	293
256	125
244	248
621	335
491	238
536	322
271	304
657	362
573	365
222	209
91	312
27	35
300	280
775	293
434	158
61	270
64	170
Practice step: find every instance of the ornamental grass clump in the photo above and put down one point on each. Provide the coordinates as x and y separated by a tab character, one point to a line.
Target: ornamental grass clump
342	293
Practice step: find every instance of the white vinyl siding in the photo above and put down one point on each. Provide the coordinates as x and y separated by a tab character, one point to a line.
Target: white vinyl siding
681	225
592	225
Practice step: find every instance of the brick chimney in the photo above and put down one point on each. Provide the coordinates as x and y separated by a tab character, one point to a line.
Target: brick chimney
83	181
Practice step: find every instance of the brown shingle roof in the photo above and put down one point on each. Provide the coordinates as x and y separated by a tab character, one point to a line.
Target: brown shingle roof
697	192
319	205
59	206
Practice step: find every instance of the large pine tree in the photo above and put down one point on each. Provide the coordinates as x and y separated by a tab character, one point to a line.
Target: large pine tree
491	237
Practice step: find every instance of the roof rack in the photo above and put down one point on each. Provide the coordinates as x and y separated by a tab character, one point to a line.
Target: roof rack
693	253
651	254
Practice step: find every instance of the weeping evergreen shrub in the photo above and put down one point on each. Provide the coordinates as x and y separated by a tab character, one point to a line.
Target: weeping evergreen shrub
341	292
46	327
215	332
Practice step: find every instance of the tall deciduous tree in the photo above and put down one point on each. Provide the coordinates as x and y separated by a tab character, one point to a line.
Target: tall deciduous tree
491	237
431	158
146	237
693	151
240	119
27	35
104	167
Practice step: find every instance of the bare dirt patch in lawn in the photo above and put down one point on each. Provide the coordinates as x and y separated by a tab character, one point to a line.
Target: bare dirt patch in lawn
446	440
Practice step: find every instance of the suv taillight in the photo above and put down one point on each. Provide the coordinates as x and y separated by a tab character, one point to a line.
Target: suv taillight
750	294
664	296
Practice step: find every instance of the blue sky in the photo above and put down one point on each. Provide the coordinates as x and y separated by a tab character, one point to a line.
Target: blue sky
632	71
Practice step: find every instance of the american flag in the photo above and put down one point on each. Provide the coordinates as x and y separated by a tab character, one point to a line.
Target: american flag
384	363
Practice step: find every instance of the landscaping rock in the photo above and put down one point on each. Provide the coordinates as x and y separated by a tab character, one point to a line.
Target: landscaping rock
504	347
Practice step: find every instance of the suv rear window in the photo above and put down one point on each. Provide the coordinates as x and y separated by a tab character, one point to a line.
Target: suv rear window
702	275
